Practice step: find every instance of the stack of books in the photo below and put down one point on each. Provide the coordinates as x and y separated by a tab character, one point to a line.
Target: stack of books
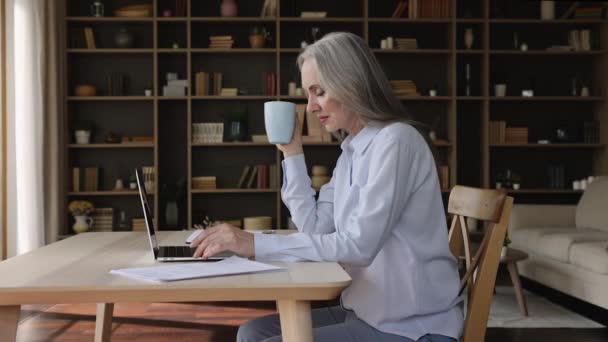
579	40
229	92
103	220
149	176
210	132
204	182
594	12
516	135
139	224
404	88
220	42
406	43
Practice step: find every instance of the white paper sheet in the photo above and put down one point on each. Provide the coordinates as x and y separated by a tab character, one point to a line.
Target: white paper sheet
192	270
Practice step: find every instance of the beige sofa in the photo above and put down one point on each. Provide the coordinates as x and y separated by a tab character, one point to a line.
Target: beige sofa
568	245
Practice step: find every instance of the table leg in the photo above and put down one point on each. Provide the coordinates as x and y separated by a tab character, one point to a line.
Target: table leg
103	324
9	320
296	322
521	300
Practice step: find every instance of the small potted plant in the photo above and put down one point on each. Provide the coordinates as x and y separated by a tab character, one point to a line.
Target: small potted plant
516	179
82	132
132	182
505	245
81	211
258	37
499	181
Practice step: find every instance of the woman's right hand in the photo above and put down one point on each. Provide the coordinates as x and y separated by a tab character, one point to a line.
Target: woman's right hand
295	145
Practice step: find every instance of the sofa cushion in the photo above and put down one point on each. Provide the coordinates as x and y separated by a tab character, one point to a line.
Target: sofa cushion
557	245
592	256
527	239
591	209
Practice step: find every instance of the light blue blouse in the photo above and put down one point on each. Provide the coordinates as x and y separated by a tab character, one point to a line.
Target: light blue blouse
381	217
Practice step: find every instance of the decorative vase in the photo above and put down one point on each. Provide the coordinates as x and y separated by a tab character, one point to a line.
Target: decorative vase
503	251
228	8
82	224
257	41
171	214
82	137
547	10
237	130
123	39
97	9
469	38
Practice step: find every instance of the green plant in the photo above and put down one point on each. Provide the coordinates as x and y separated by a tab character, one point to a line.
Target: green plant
515	178
506	241
259	31
132	178
84	125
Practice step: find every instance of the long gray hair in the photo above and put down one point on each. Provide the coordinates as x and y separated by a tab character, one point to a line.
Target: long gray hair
351	74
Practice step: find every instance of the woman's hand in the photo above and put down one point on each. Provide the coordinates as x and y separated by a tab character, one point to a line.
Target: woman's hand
221	238
295	146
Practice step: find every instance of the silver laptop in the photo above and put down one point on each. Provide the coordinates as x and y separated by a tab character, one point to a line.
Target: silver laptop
167	253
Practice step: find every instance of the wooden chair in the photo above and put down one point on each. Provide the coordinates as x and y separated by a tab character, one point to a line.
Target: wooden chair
494	208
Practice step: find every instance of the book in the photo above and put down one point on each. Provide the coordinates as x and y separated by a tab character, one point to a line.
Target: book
243	177
89	38
252	177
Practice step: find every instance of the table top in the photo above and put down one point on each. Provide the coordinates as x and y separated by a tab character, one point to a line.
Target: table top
513	255
76	270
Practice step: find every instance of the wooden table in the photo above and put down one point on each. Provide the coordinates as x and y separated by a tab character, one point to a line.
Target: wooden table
76	270
511	259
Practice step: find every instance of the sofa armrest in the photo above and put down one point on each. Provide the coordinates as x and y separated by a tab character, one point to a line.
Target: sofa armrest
542	216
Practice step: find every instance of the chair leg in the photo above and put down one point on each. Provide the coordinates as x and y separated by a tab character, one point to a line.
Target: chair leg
521	300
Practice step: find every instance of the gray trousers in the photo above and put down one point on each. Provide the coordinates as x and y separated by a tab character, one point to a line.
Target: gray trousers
330	324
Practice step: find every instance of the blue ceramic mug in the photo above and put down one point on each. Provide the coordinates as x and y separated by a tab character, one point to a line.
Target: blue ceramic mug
279	119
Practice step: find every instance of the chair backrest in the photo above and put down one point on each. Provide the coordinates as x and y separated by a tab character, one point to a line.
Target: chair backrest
494	208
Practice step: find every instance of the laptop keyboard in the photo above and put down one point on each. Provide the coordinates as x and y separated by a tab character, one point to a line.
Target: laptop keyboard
175	251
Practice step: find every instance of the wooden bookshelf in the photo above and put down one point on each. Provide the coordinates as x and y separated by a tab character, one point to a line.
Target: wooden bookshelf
462	120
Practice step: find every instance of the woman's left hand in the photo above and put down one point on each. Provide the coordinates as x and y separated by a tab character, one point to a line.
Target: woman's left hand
221	238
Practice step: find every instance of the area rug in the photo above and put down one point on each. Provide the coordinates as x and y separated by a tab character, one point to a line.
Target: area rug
542	313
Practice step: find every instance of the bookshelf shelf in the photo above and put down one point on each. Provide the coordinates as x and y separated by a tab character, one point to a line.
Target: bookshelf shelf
116	146
233	144
235	98
234	50
233	19
111	51
234	191
546	52
170	50
320	20
110	98
543	191
548	98
410	21
172	19
105	193
425	98
413	51
549	146
110	19
548	22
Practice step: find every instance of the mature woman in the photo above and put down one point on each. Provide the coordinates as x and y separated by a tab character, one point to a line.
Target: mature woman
381	216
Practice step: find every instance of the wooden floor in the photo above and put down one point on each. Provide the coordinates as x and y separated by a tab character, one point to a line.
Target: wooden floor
170	322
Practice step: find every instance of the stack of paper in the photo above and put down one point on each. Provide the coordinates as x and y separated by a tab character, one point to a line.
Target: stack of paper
192	270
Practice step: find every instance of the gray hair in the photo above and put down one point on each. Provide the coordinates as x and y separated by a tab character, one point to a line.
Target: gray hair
351	74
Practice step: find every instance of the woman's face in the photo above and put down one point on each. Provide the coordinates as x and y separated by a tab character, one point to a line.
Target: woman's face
330	112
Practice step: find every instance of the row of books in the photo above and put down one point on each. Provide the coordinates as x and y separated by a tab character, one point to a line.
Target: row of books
259	176
85	179
204	182
208	132
208	83
103	220
221	42
579	40
499	133
422	9
82	38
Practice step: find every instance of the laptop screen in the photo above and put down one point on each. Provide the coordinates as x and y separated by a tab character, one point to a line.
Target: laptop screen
147	213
